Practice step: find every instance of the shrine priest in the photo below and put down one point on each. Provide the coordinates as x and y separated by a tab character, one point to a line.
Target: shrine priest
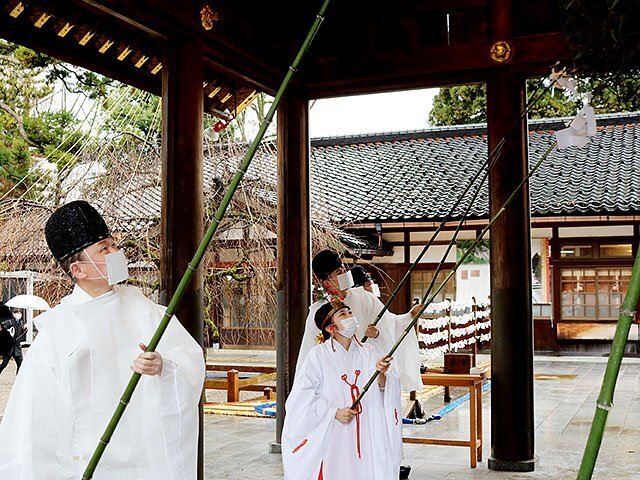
322	437
336	282
78	366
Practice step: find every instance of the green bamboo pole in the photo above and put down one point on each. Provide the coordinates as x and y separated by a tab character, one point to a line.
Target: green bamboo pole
491	160
206	240
455	267
605	399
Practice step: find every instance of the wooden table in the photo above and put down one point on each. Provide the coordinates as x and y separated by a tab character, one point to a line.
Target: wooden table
474	383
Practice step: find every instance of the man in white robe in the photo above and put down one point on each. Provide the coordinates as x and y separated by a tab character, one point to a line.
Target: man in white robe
80	363
322	438
328	267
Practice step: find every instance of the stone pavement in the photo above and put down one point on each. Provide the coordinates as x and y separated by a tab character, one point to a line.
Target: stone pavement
566	392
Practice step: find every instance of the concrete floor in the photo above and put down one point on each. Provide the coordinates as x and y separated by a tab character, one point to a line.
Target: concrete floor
237	447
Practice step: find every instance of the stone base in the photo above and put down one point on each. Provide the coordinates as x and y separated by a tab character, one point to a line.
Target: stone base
513	465
275	447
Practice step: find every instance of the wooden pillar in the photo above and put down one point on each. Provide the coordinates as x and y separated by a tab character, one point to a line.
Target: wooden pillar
294	244
182	194
556	287
404	296
512	427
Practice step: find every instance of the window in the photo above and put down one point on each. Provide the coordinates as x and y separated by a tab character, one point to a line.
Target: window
576	251
616	250
464	275
475	273
593	293
420	283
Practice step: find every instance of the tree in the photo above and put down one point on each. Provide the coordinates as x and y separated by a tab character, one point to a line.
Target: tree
467	104
27	133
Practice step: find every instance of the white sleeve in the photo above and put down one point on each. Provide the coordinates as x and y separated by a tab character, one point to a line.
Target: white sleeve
311	331
308	422
36	429
408	353
179	388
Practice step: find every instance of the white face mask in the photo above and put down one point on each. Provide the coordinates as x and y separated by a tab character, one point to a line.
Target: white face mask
375	289
345	281
117	267
17	316
348	327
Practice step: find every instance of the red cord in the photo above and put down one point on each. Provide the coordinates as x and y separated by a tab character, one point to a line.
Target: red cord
355	393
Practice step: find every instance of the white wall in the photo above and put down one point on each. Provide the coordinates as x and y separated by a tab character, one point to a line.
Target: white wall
473	286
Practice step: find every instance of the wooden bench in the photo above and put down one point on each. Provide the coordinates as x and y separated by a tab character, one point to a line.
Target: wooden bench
474	383
233	382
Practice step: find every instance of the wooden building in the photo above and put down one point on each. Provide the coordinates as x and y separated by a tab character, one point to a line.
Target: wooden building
211	56
395	188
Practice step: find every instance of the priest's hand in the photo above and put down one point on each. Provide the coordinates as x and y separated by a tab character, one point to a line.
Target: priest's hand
147	363
416	308
372	331
345	415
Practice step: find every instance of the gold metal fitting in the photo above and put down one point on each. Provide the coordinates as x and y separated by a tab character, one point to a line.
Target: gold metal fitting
208	17
501	51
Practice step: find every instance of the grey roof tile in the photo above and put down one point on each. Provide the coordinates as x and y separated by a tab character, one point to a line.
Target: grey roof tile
418	175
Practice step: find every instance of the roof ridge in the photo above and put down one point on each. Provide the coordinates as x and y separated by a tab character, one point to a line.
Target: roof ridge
447	131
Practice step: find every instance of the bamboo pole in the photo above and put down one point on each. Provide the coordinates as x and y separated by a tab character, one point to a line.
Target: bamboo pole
490	161
455	267
605	399
204	244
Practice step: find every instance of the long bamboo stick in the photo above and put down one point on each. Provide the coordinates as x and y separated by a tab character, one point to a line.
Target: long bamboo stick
204	244
455	267
605	398
492	158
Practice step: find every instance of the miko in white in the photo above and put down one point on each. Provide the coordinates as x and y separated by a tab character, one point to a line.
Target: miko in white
338	283
322	437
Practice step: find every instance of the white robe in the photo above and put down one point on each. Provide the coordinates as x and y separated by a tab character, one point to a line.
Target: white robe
72	379
365	307
312	438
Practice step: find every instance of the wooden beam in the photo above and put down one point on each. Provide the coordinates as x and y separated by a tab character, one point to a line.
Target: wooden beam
231	47
71	52
427	67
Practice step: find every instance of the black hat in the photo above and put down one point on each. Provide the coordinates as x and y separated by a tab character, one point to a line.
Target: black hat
5	313
73	227
360	276
325	262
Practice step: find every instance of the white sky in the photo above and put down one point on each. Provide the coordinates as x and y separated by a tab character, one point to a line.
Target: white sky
382	112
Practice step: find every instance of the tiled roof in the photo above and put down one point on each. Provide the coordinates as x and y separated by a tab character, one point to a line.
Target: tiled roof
418	175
